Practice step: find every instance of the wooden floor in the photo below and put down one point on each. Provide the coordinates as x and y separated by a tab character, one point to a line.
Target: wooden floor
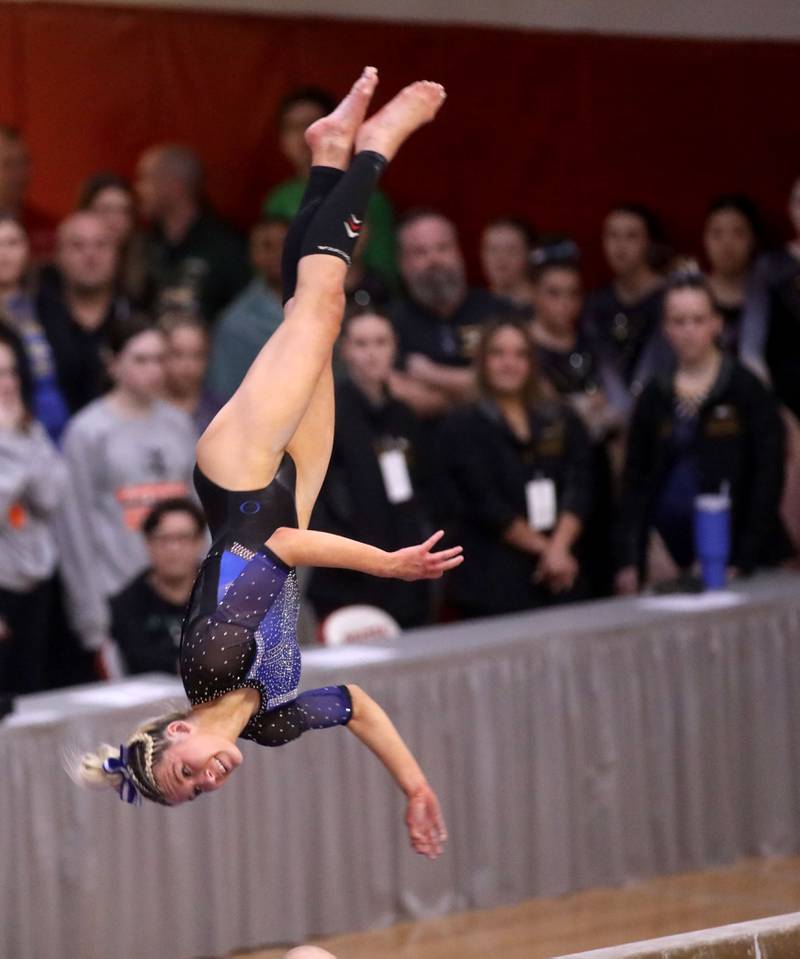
542	928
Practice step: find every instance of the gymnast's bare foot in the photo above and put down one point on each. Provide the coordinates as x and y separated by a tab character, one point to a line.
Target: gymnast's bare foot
413	106
331	138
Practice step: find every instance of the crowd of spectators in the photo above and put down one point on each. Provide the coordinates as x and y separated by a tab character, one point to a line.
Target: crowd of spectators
561	435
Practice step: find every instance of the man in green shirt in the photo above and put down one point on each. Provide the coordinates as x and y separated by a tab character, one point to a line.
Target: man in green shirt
298	110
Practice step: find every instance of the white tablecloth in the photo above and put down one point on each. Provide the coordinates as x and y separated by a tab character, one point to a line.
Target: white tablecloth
570	748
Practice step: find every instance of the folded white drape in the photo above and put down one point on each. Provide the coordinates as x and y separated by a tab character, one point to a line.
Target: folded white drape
570	748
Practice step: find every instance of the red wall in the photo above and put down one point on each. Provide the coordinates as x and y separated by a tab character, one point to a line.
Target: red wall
555	127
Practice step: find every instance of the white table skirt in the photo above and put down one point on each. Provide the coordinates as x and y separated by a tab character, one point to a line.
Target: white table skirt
570	748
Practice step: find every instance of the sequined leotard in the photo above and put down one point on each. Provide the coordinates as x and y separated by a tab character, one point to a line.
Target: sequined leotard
240	627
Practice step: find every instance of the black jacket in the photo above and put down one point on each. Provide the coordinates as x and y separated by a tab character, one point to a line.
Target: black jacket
739	442
77	353
488	468
353	503
451	341
211	259
147	627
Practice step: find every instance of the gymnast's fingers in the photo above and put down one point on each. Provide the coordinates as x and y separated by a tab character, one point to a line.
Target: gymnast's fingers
450	563
447	553
431	541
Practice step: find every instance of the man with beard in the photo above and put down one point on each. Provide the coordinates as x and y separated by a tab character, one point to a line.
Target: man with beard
78	304
439	320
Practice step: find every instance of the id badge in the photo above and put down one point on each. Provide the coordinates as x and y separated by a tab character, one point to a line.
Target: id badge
541	498
396	478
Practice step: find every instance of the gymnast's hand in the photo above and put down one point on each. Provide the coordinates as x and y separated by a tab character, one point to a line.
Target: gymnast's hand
426	828
419	562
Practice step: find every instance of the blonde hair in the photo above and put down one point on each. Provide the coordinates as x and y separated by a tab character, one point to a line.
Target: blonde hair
144	749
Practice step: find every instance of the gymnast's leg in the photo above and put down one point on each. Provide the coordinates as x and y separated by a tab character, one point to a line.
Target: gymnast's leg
242	447
311	445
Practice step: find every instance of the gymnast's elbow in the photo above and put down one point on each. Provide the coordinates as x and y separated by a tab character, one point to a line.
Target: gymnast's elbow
287	544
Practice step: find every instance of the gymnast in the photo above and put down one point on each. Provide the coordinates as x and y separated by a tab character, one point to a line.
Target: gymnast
260	465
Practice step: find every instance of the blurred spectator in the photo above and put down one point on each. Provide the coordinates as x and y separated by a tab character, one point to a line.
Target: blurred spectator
298	110
567	356
33	482
147	615
730	238
375	487
624	316
439	321
18	312
195	258
770	331
15	170
112	198
78	308
246	325
506	247
568	359
521	467
185	365
708	425
126	451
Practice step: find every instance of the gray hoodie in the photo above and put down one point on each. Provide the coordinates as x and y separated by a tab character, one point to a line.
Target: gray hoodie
121	465
33	484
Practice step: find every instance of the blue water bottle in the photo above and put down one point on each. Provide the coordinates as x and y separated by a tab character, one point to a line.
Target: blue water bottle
712	537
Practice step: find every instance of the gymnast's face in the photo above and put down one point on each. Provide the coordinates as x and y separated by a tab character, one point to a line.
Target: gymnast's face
196	762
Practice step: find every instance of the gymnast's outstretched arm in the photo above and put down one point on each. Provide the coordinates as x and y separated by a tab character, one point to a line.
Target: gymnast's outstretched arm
424	820
305	547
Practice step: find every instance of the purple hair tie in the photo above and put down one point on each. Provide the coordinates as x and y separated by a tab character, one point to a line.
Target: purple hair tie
127	789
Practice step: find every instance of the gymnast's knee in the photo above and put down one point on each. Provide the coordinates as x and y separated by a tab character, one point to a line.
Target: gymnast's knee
320	274
318	304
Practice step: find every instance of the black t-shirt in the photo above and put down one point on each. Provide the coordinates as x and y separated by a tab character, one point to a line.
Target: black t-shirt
77	353
210	261
732	321
622	330
354	502
571	371
147	627
451	342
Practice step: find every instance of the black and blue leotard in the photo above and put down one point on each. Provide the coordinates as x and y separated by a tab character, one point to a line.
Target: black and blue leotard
240	626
